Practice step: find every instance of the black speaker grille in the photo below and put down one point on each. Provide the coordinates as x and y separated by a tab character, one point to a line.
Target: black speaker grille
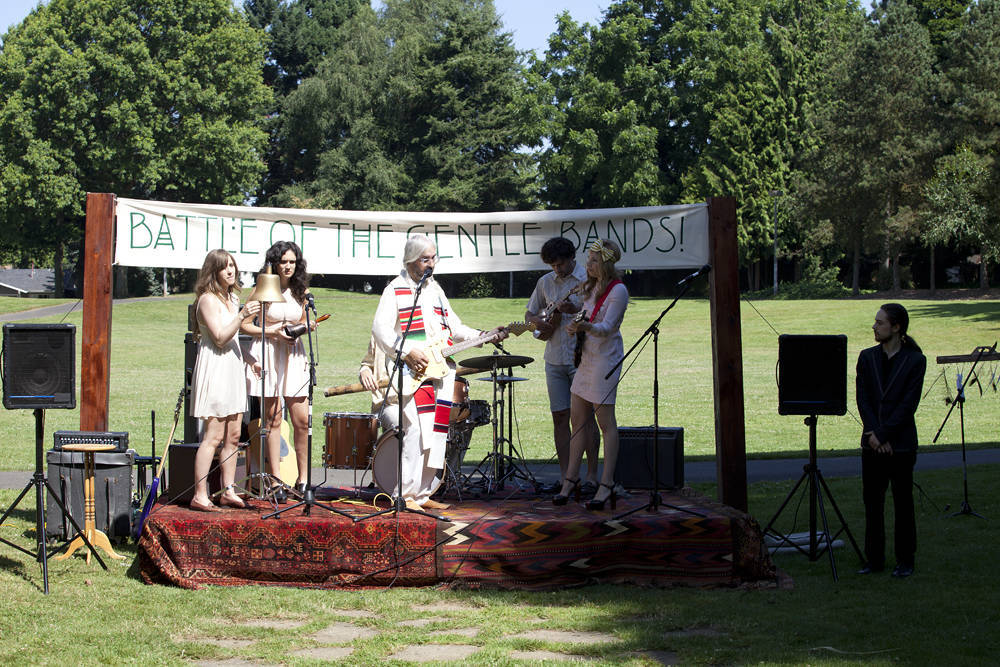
812	374
39	366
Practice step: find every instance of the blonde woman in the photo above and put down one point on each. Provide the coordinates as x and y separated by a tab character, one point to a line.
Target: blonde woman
218	383
605	301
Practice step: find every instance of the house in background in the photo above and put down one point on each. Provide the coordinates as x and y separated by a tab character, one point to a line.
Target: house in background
34	283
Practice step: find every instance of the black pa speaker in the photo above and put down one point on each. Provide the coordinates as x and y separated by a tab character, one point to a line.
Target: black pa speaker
39	366
812	374
634	469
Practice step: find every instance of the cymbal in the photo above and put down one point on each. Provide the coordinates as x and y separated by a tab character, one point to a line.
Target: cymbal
503	378
496	361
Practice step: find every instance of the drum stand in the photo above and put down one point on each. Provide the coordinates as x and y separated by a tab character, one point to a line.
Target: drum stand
497	467
309	498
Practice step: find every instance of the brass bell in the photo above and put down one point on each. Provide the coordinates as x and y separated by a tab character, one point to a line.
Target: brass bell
267	289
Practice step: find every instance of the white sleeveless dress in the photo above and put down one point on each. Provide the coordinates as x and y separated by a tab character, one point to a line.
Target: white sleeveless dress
287	367
218	382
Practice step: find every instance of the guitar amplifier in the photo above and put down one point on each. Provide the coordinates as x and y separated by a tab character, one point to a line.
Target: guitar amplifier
113	485
117	438
634	469
180	472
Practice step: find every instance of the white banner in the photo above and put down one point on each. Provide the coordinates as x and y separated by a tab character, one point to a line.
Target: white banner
172	235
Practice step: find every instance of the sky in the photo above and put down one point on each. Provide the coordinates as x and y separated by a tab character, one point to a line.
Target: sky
531	21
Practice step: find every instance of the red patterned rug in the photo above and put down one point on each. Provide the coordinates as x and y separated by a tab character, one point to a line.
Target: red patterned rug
518	542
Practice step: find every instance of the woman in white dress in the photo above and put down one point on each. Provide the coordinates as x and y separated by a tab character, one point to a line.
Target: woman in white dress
605	300
287	365
218	383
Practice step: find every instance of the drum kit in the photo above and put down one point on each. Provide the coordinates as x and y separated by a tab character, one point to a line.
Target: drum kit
353	442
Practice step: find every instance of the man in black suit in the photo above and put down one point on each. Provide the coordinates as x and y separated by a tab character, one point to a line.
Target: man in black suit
890	379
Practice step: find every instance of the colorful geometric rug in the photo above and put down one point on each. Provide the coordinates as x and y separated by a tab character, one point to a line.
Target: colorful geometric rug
516	542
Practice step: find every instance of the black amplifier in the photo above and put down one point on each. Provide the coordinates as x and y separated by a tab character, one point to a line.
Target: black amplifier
116	438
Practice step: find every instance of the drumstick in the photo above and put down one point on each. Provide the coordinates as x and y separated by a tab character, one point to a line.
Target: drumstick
356	387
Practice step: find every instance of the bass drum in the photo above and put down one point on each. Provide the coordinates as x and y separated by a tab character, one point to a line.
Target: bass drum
385	463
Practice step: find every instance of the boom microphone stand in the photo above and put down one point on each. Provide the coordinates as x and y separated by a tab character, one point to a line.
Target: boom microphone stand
655	501
399	503
960	401
309	497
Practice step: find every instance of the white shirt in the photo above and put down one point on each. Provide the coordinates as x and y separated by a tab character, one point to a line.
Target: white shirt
552	288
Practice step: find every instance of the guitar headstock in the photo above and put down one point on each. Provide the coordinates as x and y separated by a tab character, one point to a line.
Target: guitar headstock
518	328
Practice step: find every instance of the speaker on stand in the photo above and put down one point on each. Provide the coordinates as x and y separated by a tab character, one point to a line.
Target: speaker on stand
39	372
812	380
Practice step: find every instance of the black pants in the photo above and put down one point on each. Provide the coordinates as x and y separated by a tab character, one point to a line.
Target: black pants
878	471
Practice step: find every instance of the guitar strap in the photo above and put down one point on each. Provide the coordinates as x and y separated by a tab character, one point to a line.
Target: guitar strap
433	407
604	297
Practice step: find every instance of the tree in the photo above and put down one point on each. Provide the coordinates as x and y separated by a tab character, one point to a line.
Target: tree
878	136
972	91
150	100
302	34
422	108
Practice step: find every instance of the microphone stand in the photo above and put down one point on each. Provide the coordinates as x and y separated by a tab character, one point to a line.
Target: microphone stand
399	503
655	501
309	498
960	401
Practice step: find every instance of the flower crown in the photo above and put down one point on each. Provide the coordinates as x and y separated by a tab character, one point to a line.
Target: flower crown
607	252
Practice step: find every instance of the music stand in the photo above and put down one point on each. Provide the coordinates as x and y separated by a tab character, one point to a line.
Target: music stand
977	356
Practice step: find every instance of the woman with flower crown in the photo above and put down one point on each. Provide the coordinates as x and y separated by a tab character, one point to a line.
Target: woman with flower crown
605	301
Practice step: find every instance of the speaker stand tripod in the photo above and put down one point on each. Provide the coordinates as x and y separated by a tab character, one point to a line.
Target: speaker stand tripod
817	486
39	483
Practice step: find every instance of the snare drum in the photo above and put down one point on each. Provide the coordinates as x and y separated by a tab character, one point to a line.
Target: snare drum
350	439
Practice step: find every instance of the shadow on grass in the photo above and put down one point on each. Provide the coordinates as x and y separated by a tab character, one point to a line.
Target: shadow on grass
968	310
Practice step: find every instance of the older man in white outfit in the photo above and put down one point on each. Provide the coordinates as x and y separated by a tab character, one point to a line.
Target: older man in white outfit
426	409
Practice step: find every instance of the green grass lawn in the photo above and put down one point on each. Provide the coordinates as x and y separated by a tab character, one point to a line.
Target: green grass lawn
946	614
147	372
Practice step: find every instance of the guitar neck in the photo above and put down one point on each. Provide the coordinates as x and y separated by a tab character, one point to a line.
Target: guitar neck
466	344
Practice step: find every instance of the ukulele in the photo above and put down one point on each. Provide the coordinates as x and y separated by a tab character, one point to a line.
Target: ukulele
552	315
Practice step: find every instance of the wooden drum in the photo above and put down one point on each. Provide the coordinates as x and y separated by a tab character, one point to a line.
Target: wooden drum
350	439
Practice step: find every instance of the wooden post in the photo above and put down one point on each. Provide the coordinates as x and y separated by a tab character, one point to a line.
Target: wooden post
95	366
727	353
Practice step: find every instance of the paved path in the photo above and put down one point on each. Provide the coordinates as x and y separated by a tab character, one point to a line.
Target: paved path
62	309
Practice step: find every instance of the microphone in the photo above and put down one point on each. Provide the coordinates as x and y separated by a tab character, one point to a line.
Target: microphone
311	302
427	274
687	279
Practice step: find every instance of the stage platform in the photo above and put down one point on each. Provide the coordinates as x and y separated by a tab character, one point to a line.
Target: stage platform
521	541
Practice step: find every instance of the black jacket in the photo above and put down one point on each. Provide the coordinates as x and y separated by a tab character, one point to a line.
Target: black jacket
888	410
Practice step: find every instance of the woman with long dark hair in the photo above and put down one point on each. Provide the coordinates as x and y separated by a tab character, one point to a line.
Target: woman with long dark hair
605	300
286	365
890	378
218	382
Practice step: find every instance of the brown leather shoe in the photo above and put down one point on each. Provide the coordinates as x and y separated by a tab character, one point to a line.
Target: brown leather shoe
434	505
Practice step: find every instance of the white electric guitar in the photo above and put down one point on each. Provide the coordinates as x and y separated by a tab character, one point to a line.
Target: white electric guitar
438	351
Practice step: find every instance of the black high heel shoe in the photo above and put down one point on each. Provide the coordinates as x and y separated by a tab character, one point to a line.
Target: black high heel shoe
595	505
559	499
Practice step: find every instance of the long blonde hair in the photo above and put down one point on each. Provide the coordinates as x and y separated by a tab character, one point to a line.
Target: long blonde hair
609	254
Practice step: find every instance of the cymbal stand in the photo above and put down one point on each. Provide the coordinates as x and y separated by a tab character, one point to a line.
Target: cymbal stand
496	467
309	498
